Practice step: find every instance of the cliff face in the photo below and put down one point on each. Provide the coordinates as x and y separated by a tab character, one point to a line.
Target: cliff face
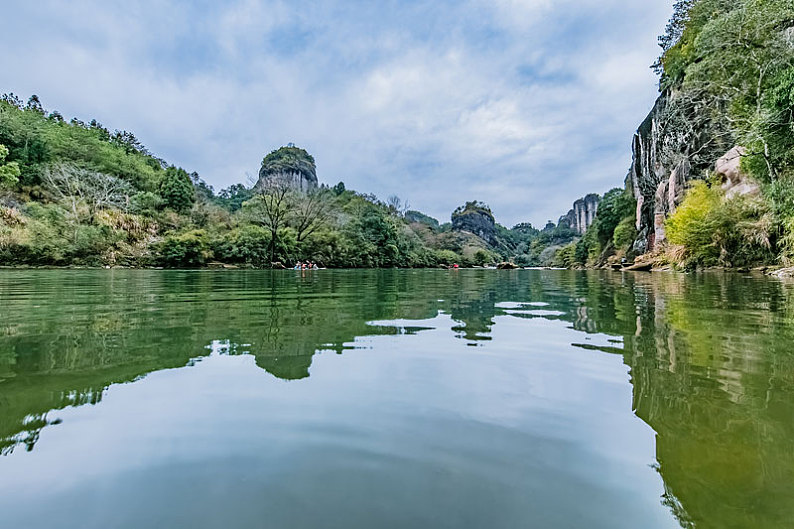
295	180
676	143
650	179
582	215
476	218
290	167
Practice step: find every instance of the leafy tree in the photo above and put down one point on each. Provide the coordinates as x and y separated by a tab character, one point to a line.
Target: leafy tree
9	173
482	257
232	197
616	205
188	249
246	244
145	203
625	233
177	190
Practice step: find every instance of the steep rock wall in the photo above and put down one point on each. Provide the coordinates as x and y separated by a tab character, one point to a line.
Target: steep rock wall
673	145
582	215
476	220
295	180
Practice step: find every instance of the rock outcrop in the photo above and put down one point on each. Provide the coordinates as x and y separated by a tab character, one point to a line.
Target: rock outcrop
735	183
290	167
676	143
582	215
476	218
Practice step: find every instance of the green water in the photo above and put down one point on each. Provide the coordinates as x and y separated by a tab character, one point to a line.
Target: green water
395	399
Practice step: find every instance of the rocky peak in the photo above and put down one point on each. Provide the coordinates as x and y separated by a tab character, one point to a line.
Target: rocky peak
476	218
290	166
582	215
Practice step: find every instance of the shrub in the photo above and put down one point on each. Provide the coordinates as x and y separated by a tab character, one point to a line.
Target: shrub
694	224
189	249
714	230
625	233
566	256
145	203
248	244
9	172
447	257
482	257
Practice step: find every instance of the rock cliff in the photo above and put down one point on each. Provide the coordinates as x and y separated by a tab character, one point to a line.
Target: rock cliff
475	217
289	166
677	142
582	215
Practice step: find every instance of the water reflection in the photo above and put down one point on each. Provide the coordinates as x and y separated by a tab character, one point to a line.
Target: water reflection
710	357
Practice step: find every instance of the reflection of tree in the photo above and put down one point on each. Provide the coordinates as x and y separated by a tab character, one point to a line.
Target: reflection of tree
710	356
713	375
94	329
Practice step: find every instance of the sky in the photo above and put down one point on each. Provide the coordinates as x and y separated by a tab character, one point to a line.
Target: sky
526	105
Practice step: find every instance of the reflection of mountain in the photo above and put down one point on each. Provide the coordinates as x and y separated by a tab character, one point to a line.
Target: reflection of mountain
710	356
93	329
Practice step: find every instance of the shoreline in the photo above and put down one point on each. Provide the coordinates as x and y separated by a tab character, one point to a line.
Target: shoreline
779	272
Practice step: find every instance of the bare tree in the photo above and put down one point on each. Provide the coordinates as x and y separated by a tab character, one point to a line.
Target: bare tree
310	212
272	206
396	206
83	188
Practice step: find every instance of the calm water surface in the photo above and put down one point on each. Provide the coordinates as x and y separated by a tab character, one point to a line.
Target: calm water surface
395	399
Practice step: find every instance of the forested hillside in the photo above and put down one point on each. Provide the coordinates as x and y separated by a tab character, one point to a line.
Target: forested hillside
711	182
75	193
712	178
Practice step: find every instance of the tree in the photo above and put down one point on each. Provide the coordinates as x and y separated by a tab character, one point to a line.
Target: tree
124	139
232	197
673	31
34	105
396	206
9	173
177	189
616	205
204	191
737	57
310	212
83	188
271	206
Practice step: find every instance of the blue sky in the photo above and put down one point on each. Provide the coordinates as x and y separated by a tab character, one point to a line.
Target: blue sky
524	104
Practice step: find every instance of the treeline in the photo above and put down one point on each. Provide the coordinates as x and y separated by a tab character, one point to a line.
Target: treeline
76	193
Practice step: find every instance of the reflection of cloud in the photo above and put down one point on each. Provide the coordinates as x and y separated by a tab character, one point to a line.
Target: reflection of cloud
523	104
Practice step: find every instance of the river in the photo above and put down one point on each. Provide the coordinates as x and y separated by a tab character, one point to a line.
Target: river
395	399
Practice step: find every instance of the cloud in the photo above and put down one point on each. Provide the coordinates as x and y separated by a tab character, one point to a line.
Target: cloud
525	104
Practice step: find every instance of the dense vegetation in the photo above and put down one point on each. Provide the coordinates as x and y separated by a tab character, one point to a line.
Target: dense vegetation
730	66
75	193
727	73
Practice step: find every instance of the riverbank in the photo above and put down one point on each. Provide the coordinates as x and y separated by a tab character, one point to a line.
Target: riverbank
779	272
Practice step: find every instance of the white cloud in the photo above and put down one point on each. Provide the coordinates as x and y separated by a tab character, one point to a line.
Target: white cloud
526	105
